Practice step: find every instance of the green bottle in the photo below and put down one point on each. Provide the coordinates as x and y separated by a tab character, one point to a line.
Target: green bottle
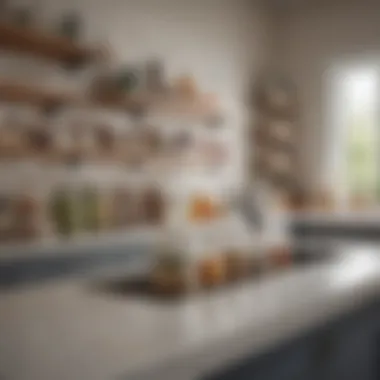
90	210
61	213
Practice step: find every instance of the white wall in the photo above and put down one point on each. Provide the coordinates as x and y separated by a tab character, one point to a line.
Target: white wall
311	39
222	42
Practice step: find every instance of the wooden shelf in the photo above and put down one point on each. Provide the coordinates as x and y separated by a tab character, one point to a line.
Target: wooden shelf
125	103
38	43
43	97
277	132
38	96
176	106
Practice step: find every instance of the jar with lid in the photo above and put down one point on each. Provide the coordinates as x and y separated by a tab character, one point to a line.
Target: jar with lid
208	253
65	204
125	206
88	204
61	211
153	206
22	212
29	217
11	137
105	204
171	270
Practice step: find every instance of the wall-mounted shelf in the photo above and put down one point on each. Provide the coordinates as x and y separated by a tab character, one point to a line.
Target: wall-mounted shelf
38	43
33	95
39	96
61	49
197	108
43	97
124	103
276	135
43	147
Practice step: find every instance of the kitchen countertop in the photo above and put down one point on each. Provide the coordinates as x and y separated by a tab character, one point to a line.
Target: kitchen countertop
64	330
338	217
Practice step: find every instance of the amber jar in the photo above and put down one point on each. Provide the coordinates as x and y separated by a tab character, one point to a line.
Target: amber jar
169	274
236	265
212	272
153	207
280	256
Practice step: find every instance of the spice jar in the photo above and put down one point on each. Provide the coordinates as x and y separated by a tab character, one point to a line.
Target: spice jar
11	139
212	270
236	263
105	140
105	202
169	272
211	263
126	207
6	217
61	205
152	206
280	256
25	219
39	141
23	215
89	204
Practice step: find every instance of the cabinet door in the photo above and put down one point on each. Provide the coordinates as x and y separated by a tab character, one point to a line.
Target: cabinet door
291	362
355	348
347	349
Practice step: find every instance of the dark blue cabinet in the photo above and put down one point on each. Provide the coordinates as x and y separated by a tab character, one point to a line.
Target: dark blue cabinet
346	349
293	362
355	348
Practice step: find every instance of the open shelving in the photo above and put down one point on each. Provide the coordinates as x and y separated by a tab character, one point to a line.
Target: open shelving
39	96
28	94
41	44
34	95
42	148
275	136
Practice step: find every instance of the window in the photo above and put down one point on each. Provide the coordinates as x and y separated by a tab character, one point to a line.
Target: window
355	145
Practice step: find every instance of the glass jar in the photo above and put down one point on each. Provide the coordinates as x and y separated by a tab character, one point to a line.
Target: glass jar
88	204
61	206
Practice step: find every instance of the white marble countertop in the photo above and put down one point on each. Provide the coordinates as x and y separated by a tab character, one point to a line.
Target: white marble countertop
63	330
